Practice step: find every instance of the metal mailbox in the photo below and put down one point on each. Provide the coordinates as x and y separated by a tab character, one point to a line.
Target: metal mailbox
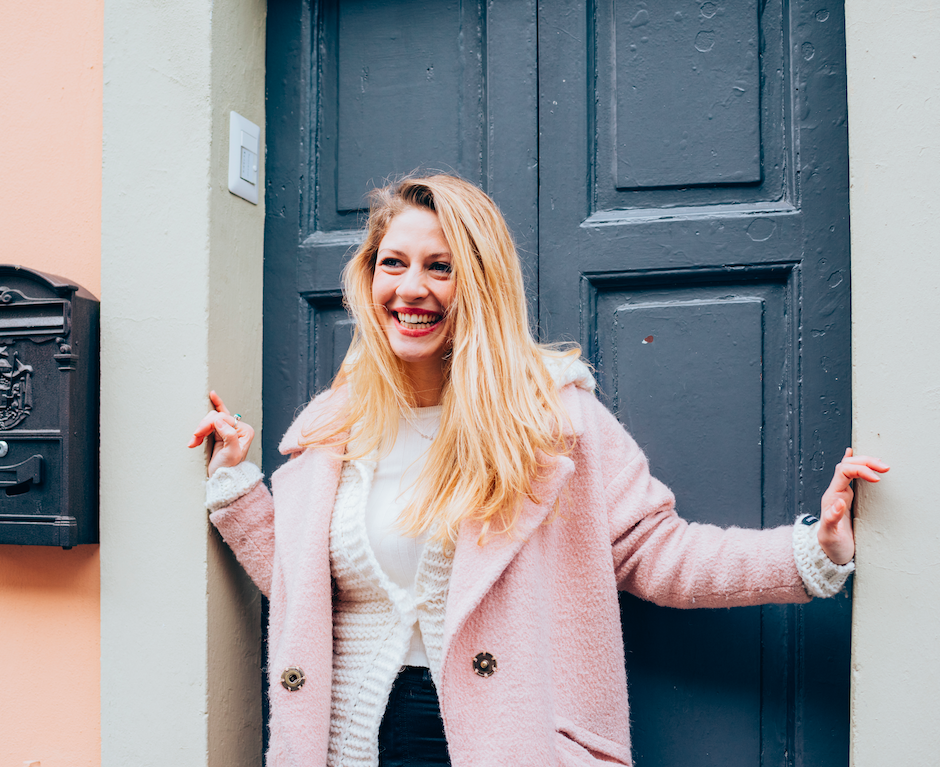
48	410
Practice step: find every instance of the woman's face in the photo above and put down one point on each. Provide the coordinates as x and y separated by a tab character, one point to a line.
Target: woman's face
412	290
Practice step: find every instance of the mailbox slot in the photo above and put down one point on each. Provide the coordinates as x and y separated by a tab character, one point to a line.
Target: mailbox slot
17	479
41	318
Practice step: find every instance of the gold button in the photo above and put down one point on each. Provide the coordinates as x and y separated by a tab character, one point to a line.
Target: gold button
484	664
293	678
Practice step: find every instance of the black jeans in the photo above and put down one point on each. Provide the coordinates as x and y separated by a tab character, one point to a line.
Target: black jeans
412	731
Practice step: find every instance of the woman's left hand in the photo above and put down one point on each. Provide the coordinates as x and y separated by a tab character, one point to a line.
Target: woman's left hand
835	517
229	437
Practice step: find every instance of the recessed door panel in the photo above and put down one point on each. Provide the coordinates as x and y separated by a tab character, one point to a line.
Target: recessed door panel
362	92
696	697
408	74
329	333
686	82
688	103
687	380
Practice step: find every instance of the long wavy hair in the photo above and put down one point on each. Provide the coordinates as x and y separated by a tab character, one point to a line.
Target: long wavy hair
501	412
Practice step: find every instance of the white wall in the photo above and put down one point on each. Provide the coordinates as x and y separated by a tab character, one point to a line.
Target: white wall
894	143
181	310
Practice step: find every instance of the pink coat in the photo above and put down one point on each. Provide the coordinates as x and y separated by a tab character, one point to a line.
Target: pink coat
544	603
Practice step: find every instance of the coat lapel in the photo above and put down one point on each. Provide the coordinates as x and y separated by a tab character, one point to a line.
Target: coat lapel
305	489
306	486
476	568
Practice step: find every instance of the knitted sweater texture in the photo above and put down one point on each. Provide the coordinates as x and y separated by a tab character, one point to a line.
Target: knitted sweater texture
373	619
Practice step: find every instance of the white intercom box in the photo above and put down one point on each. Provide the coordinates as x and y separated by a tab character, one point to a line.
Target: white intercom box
244	157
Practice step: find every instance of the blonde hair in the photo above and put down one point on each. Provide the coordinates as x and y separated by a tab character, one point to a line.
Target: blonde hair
501	412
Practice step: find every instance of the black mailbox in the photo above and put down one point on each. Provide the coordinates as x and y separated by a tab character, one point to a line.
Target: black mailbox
48	410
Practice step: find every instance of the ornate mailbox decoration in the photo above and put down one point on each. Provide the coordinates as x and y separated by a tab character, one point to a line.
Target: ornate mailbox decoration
16	395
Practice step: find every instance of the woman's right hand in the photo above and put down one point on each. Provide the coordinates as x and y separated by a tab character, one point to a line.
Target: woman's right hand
230	437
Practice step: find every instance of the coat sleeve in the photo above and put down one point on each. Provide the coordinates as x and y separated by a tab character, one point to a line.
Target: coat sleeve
247	525
660	557
246	521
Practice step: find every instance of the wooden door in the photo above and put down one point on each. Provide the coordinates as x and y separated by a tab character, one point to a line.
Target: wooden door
675	174
693	236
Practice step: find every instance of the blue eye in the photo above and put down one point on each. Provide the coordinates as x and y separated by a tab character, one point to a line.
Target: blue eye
441	266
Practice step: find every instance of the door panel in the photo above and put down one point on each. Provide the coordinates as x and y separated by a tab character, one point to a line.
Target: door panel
690	105
687	113
698	365
403	90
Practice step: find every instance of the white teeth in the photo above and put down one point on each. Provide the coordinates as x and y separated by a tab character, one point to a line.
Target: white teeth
417	319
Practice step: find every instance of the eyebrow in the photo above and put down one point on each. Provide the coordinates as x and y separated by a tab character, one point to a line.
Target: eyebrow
402	253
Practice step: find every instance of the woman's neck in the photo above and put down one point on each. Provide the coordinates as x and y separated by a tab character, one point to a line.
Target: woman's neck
427	383
427	397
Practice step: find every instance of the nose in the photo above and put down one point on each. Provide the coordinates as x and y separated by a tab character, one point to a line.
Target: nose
413	285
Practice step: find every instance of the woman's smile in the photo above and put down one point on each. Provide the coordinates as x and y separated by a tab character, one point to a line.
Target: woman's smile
417	321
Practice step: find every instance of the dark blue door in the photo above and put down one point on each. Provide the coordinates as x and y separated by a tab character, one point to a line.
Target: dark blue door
693	236
675	174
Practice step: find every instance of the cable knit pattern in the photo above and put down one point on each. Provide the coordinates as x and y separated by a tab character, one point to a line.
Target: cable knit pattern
373	619
821	576
229	483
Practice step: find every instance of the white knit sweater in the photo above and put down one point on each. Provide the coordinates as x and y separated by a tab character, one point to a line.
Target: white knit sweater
373	621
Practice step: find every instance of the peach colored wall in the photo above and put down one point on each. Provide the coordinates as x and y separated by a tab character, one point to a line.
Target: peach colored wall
50	219
50	88
49	667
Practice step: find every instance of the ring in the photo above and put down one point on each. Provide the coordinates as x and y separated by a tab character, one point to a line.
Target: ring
237	416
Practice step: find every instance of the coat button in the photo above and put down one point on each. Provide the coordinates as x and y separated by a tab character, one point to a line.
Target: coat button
484	664
293	678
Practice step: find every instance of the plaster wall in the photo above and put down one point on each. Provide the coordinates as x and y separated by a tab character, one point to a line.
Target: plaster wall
181	268
236	231
50	219
894	140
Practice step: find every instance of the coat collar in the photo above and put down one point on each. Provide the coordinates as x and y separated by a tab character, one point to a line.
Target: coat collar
319	412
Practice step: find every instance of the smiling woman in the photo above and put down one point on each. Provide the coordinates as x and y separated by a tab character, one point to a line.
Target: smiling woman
460	515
